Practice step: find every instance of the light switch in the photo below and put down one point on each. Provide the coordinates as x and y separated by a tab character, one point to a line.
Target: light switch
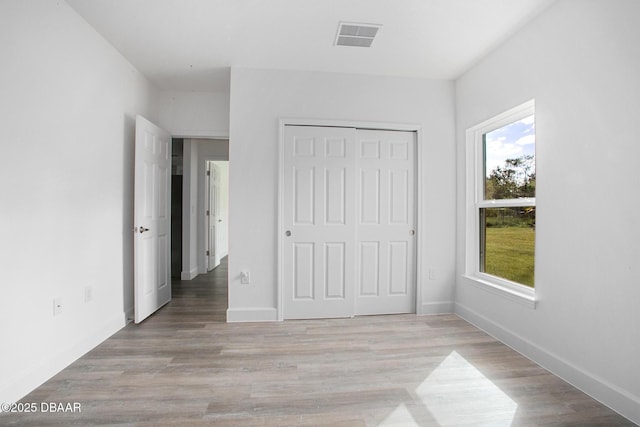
245	277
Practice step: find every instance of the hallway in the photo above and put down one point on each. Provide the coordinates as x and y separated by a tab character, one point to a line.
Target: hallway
185	366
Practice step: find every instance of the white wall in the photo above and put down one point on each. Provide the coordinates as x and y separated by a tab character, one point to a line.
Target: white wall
195	114
68	106
580	60
259	98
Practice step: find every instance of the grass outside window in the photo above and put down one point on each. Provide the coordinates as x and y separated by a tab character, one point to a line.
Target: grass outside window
507	243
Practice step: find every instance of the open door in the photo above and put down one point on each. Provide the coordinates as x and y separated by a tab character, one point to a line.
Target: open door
152	219
214	215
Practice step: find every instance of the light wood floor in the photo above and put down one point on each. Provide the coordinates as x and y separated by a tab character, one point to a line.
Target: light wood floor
185	366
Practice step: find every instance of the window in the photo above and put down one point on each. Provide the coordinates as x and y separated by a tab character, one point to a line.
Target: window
501	203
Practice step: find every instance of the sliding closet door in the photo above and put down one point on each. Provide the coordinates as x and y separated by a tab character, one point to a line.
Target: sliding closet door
319	222
385	222
349	222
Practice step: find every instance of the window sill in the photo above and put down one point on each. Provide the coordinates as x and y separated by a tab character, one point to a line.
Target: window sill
511	294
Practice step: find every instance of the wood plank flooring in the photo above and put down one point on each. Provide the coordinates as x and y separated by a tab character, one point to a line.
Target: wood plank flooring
185	366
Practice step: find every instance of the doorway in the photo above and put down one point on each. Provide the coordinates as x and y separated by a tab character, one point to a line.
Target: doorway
217	214
189	220
176	206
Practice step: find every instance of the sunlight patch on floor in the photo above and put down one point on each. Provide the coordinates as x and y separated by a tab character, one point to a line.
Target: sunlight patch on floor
400	417
457	393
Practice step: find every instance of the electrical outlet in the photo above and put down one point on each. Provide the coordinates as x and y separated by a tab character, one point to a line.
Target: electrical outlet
57	306
245	277
88	293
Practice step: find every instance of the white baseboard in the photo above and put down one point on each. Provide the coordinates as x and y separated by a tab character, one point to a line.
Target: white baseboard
189	275
441	307
35	376
621	401
266	314
271	315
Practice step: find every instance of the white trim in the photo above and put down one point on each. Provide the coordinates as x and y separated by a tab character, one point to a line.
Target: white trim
357	124
475	200
506	203
433	308
199	134
619	400
494	286
280	227
266	314
407	127
419	220
189	275
512	115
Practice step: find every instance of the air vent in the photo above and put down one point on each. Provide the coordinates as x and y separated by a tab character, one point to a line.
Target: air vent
359	35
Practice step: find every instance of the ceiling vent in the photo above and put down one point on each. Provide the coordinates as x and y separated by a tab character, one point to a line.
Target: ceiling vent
359	35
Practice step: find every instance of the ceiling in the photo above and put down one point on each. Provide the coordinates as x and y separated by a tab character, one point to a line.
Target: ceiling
190	45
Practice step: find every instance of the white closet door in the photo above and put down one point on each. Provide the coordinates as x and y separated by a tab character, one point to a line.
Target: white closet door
385	222
319	222
349	222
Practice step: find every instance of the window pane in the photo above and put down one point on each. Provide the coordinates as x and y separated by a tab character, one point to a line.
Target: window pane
507	243
509	161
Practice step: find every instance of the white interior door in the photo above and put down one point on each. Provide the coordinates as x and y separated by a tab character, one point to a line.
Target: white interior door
319	222
386	222
152	219
349	222
214	216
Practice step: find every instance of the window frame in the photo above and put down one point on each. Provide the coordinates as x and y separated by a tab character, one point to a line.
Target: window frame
475	201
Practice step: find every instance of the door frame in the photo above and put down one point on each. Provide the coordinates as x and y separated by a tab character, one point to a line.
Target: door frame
406	127
207	218
209	166
186	273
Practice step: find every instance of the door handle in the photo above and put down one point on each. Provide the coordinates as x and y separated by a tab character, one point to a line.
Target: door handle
140	230
219	220
287	233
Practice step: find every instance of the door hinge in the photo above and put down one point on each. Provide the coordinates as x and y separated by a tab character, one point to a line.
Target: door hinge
208	173
207	253
207	213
